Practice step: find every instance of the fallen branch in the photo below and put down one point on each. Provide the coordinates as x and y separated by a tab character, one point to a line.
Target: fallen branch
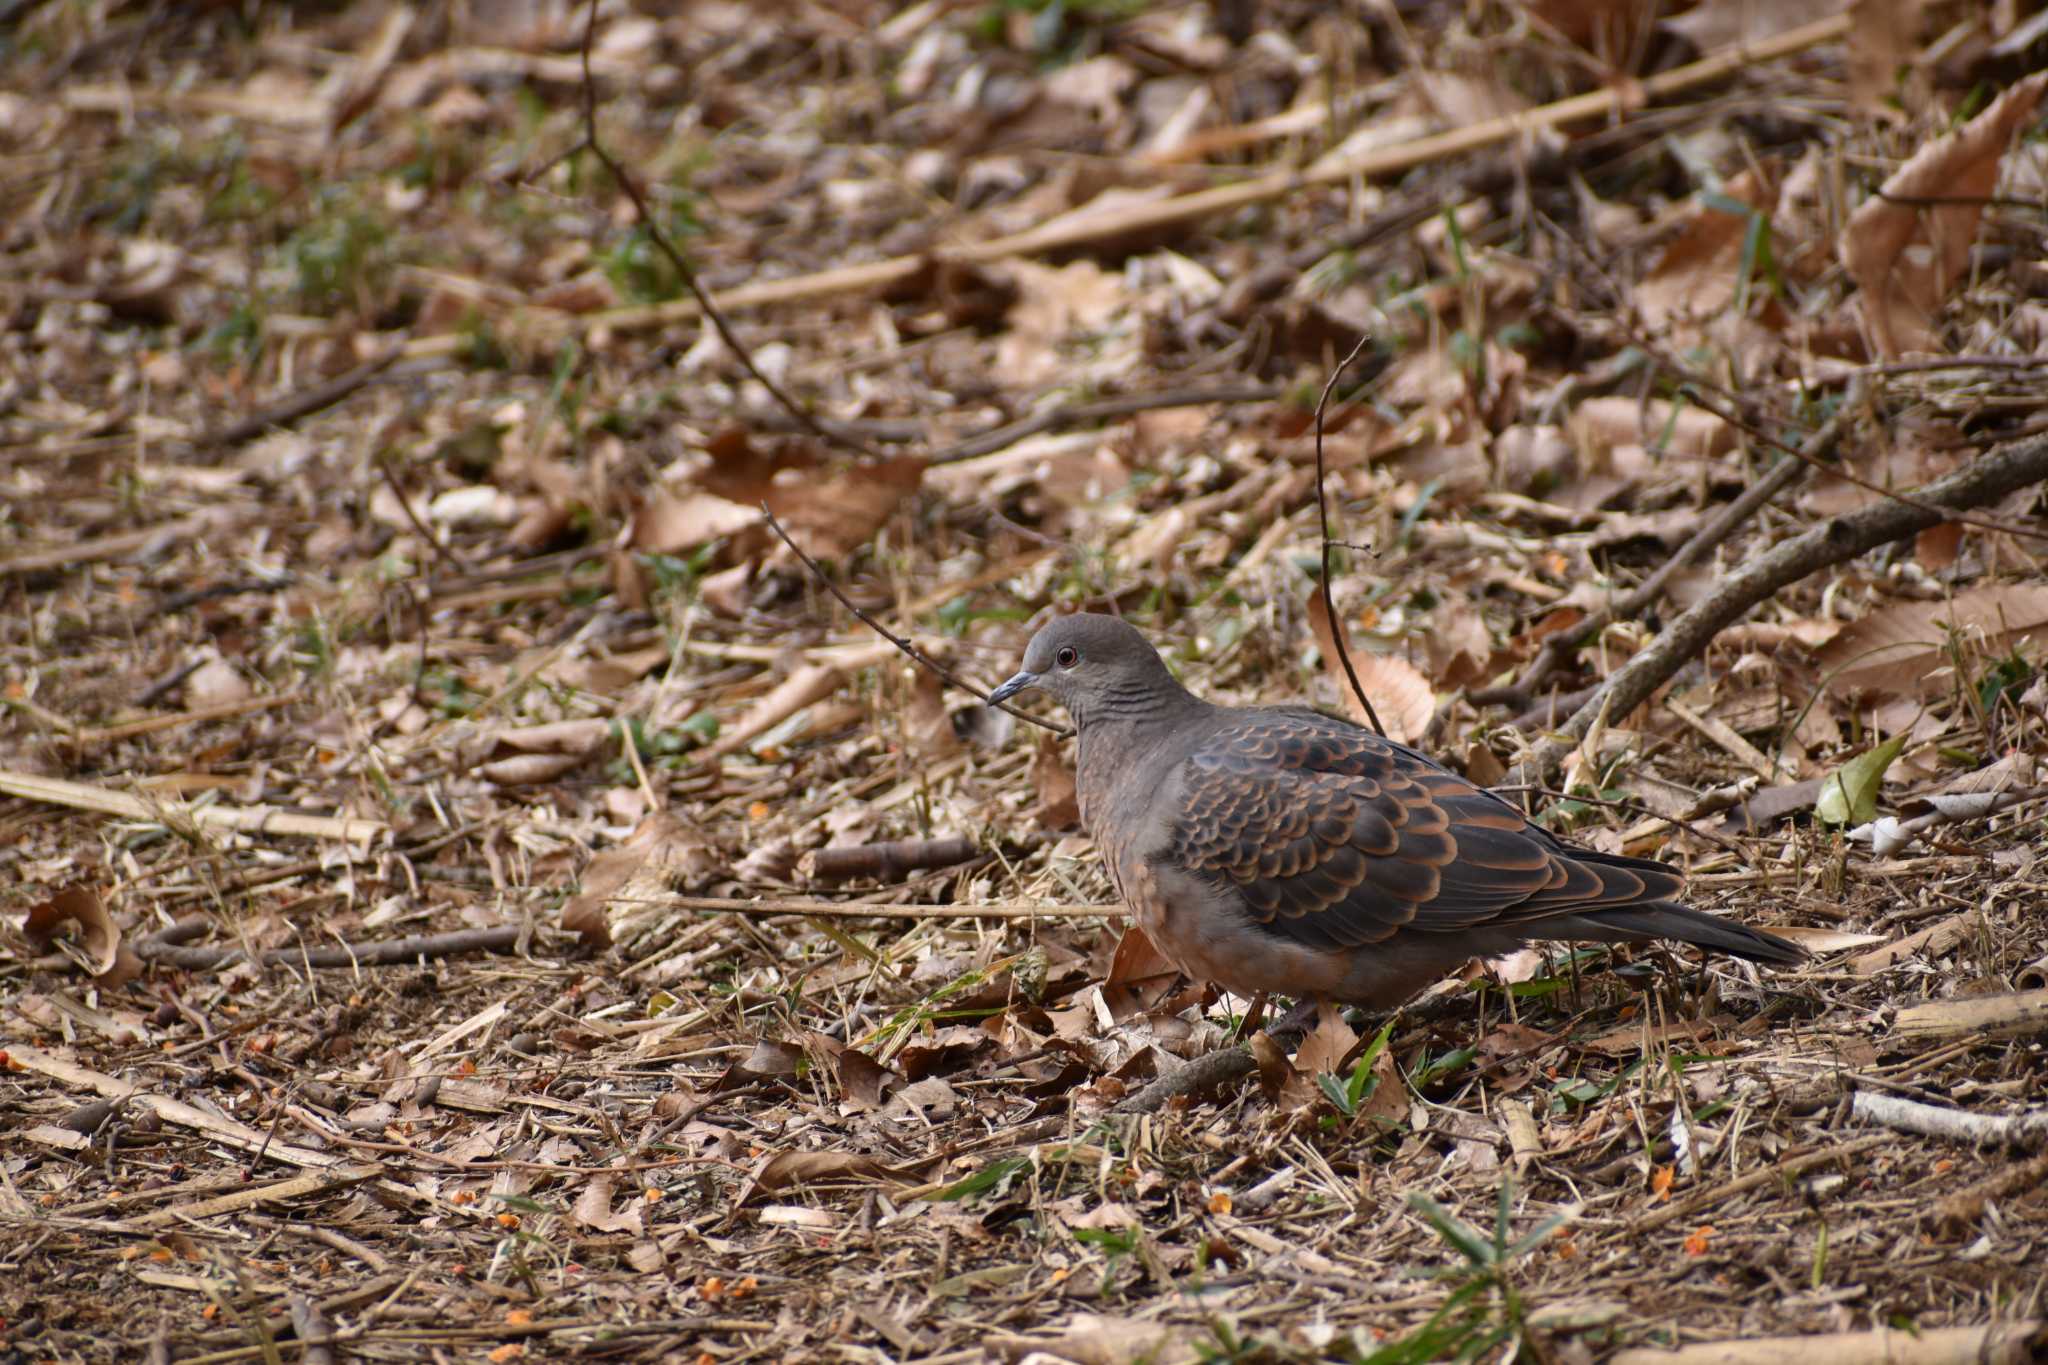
1213	1070
166	946
1819	446
1991	1016
1196	1077
1832	542
1996	1343
218	1127
247	819
1966	1206
1764	1175
2022	1131
387	467
890	860
76	554
885	910
1337	631
1690	387
304	403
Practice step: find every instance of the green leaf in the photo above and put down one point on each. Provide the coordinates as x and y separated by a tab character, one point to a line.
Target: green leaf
1437	1068
1469	1241
983	1180
1442	1337
1363	1082
1849	795
1529	1239
521	1203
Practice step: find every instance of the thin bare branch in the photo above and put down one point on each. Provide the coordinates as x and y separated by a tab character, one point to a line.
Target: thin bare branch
684	272
818	572
1337	631
1983	481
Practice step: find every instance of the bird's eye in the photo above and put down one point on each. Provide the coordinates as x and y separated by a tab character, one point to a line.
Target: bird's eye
1067	657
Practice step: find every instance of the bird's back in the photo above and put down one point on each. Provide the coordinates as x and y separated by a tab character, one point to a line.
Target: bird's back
1335	838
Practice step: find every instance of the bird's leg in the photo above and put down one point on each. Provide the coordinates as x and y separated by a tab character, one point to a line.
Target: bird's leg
1300	1019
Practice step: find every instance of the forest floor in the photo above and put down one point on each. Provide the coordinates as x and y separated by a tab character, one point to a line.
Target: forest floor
473	893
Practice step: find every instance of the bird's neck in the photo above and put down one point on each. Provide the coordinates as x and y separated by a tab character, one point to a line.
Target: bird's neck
1122	747
1124	755
1136	707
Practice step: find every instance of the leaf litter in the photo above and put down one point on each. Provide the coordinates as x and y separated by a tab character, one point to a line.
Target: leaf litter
476	892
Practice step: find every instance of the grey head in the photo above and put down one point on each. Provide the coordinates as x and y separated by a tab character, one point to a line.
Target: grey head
1099	668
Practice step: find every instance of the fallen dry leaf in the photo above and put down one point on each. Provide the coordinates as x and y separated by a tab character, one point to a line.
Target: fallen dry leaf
1716	24
1059	805
832	516
1697	274
1904	255
636	875
111	963
787	1170
1904	649
1880	43
593	1208
675	523
1139	975
1399	694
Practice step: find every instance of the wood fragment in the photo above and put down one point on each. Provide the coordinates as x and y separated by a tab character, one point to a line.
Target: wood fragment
1998	1343
1988	1016
276	1192
1723	734
2033	976
1523	1138
808	684
150	725
1782	1170
1935	939
1967	1206
316	1337
221	1129
2025	1131
891	860
246	819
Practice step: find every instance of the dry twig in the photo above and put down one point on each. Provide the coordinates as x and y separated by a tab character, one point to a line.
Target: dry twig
1841	538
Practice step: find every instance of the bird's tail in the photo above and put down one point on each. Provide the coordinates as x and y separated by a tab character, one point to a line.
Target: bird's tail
1668	919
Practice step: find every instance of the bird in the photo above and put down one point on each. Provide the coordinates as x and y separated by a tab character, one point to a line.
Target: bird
1279	850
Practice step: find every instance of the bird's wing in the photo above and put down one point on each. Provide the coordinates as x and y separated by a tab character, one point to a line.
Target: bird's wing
1336	837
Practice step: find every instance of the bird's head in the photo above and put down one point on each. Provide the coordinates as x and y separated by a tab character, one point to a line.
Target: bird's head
1097	667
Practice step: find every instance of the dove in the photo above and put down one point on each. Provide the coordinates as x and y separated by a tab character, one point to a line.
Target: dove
1279	850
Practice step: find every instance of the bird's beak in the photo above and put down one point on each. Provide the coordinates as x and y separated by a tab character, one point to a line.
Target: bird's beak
1017	683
